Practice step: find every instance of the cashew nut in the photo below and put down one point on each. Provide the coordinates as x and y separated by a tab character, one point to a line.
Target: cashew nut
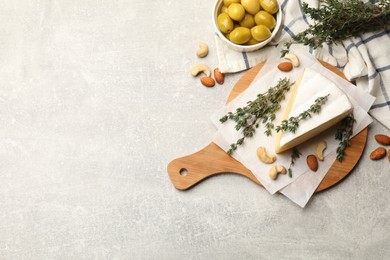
203	50
198	68
264	157
275	170
293	58
319	150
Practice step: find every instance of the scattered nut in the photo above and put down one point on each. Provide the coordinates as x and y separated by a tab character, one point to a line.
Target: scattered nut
388	155
293	58
198	68
285	66
219	77
275	170
319	150
312	162
383	139
264	157
378	153
207	82
203	50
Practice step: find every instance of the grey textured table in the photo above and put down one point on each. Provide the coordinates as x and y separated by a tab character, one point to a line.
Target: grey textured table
96	99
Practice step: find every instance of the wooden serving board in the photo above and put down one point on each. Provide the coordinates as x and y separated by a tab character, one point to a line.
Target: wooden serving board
187	171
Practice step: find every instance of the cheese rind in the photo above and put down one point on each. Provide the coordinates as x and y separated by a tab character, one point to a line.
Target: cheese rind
307	88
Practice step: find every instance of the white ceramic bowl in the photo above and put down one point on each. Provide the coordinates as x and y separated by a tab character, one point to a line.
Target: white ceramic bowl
243	48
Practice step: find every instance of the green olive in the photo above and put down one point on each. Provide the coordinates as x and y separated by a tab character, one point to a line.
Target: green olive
224	9
252	41
229	2
266	19
260	32
225	23
236	11
271	6
240	35
251	6
248	21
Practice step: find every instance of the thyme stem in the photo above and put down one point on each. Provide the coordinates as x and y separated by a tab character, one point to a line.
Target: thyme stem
343	134
259	111
337	20
292	123
294	156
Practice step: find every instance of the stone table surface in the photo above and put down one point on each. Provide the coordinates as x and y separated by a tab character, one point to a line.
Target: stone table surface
96	99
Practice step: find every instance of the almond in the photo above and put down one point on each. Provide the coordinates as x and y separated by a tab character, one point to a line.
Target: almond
378	153
383	139
219	77
285	66
388	155
312	162
207	82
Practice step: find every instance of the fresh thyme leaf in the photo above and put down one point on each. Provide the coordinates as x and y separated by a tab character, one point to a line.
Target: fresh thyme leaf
337	20
286	48
292	123
343	134
259	111
294	156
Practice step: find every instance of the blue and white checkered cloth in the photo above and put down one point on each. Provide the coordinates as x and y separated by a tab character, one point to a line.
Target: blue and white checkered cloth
364	60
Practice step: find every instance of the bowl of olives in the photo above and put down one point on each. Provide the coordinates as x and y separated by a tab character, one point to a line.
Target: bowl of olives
247	25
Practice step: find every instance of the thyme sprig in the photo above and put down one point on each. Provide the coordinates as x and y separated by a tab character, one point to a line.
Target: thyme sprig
259	111
343	134
294	156
292	123
337	20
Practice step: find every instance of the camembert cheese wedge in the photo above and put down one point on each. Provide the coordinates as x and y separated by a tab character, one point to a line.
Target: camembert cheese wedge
309	86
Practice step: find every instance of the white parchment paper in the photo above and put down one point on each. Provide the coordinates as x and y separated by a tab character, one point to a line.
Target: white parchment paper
303	183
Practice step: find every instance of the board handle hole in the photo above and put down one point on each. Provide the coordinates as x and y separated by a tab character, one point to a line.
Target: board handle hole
183	172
